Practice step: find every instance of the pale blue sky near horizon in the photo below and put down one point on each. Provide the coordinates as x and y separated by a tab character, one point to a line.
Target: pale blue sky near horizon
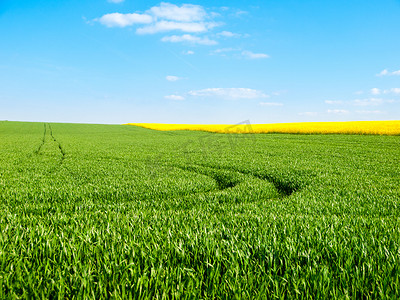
209	62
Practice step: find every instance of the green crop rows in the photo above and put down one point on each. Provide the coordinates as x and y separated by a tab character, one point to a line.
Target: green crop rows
101	211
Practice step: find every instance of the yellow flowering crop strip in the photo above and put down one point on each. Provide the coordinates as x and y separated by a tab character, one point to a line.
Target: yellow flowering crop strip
354	127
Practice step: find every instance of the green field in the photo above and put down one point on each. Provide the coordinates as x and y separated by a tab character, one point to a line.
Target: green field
114	211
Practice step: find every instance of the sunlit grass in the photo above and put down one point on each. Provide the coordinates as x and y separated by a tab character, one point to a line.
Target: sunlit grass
356	127
123	212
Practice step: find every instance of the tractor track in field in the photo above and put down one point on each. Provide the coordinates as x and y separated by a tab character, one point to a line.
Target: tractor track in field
225	181
37	151
62	151
48	131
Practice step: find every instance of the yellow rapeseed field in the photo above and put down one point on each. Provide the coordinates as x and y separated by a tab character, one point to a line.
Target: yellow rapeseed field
354	127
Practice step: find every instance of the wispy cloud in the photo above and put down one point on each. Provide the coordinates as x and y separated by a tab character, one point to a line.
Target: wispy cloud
308	113
116	1
172	78
392	91
165	26
271	104
123	20
239	53
369	112
333	102
337	111
223	51
386	72
189	39
175	97
229	93
188	52
228	34
369	102
251	55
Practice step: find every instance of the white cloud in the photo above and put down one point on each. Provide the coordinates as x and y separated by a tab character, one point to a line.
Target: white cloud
189	52
172	78
116	1
223	50
184	13
358	93
337	111
252	55
383	73
228	34
230	93
387	73
164	26
308	113
189	38
368	112
333	101
375	91
271	104
163	18
392	91
368	102
175	97
123	20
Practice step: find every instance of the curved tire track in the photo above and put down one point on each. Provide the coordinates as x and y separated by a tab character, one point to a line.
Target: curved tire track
227	181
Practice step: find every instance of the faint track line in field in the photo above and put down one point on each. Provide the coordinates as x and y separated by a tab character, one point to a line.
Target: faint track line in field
47	130
58	143
43	139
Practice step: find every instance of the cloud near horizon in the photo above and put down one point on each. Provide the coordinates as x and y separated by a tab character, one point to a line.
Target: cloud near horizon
229	93
192	39
386	72
271	104
172	78
175	97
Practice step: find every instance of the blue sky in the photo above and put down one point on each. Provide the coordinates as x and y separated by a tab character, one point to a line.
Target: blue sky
100	61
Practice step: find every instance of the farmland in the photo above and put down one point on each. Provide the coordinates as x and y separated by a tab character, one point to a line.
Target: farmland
118	211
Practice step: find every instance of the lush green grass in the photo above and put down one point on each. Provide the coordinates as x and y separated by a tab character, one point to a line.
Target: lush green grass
101	211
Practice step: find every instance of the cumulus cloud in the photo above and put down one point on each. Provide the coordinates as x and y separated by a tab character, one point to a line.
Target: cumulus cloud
388	73
271	104
229	93
184	13
375	91
337	111
252	55
189	39
174	97
163	18
172	78
123	20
